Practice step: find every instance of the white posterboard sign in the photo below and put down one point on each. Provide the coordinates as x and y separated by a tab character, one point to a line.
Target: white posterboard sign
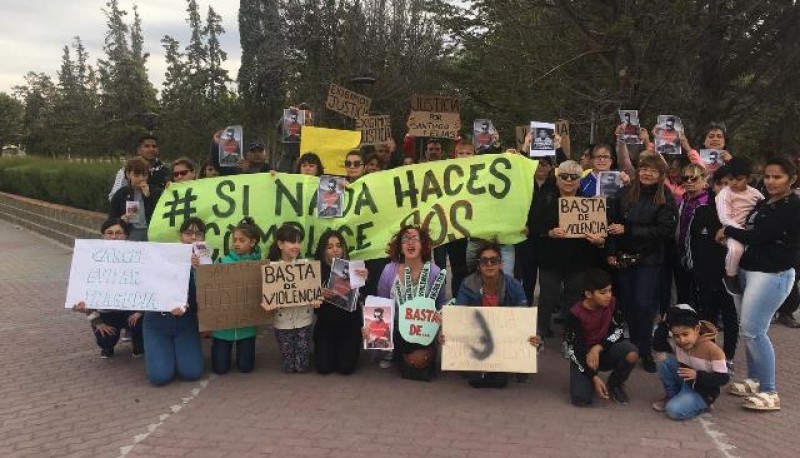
489	339
120	275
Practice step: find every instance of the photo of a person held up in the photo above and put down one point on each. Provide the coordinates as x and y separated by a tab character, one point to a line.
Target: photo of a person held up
542	139
630	126
230	146
379	323
293	121
667	134
330	197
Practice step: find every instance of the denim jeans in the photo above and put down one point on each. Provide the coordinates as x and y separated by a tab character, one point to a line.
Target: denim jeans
763	295
684	403
172	344
221	355
638	293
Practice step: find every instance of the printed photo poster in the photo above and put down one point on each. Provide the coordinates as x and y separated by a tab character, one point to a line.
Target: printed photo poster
542	139
230	146
345	297
293	121
133	212
379	322
330	197
629	119
668	134
608	183
203	253
711	156
484	135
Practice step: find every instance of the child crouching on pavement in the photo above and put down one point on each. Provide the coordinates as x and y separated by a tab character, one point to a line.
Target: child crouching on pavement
693	369
595	343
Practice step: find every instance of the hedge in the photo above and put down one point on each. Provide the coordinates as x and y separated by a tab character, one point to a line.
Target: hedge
76	184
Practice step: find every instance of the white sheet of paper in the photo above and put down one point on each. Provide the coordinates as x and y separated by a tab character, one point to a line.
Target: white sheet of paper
357	281
121	275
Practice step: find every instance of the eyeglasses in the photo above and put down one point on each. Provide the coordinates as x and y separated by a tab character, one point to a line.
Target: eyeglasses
179	173
691	179
409	240
352	164
605	158
194	233
569	176
490	261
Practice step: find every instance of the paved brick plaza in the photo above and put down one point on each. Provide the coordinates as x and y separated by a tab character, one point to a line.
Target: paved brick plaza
58	398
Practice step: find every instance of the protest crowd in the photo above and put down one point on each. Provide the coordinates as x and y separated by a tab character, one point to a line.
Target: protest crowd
692	246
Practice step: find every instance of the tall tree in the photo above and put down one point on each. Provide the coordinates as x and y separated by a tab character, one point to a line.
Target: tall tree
262	77
11	114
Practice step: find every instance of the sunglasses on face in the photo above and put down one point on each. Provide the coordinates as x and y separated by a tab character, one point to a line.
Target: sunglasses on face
352	164
179	173
569	176
490	261
691	179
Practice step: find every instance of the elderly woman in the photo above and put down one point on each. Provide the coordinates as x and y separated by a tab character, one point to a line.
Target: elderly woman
490	287
642	220
410	251
766	274
562	260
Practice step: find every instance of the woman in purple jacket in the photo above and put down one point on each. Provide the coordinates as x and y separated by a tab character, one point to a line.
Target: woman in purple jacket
410	252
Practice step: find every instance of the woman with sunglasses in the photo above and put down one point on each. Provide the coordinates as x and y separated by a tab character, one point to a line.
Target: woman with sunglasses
642	220
354	165
490	287
562	260
183	170
693	179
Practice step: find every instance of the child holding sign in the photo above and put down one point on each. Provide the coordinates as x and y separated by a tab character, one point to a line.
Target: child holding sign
292	324
246	237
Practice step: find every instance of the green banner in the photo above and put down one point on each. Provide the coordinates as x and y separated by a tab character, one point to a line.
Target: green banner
484	196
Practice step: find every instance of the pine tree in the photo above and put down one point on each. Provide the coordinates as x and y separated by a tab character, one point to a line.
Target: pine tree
218	78
262	78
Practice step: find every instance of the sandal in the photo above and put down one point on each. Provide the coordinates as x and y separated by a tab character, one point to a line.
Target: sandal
762	401
748	387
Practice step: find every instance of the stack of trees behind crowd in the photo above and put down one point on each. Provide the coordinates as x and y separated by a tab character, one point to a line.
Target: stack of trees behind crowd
509	60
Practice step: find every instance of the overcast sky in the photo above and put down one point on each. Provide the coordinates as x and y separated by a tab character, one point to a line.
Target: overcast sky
33	33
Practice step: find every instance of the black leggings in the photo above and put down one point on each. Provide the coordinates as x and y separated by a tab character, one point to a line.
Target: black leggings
336	350
221	355
715	301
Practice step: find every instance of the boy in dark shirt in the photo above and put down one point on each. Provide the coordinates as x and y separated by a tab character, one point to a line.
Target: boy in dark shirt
595	343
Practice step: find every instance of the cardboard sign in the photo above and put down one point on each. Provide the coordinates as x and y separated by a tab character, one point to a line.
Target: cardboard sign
120	275
379	322
520	133
419	320
579	216
562	129
375	130
489	339
433	124
435	103
229	296
292	284
347	102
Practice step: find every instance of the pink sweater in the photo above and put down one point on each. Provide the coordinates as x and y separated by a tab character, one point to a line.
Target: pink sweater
733	207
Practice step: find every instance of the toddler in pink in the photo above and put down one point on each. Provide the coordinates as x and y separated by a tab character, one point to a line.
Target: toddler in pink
734	202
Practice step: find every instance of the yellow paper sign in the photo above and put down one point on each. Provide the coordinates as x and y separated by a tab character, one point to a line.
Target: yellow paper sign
331	145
